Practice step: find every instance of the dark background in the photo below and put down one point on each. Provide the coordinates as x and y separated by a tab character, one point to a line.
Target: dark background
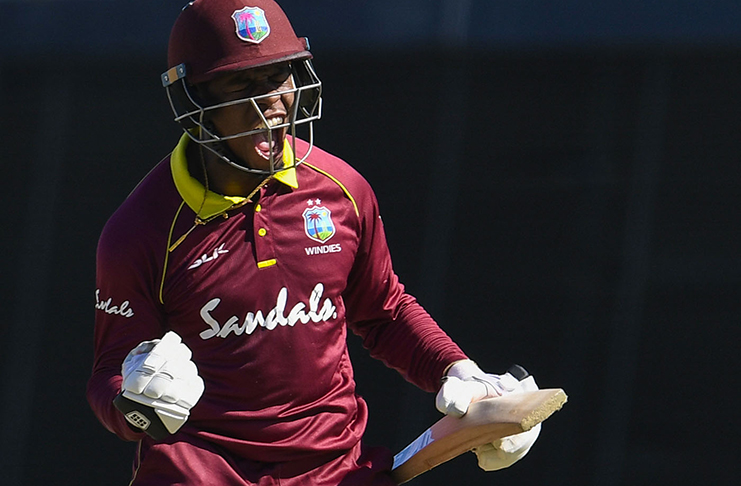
560	184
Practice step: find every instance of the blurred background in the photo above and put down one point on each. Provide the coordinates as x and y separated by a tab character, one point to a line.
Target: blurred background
560	183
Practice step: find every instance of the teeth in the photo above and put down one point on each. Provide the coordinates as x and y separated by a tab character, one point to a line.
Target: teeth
272	122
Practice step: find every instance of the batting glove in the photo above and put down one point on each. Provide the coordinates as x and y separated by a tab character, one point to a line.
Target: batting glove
466	383
160	386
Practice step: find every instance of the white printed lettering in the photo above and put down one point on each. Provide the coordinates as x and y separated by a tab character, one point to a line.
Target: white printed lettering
105	306
205	258
320	250
275	317
210	305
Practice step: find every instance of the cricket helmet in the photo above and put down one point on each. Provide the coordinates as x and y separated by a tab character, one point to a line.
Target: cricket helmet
213	37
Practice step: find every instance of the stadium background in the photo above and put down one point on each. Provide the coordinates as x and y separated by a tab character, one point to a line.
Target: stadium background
560	182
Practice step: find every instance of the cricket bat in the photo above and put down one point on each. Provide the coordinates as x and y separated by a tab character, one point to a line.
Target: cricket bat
486	421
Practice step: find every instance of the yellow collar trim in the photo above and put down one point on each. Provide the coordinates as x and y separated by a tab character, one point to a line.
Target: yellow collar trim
212	204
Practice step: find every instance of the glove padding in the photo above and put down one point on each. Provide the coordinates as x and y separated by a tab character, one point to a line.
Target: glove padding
159	374
508	450
466	383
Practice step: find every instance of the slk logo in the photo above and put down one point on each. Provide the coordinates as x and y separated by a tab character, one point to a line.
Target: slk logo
251	24
318	223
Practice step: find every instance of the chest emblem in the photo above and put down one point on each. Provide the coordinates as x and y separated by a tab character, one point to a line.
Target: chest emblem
318	223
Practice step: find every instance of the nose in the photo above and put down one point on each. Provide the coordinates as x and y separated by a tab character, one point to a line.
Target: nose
280	96
269	100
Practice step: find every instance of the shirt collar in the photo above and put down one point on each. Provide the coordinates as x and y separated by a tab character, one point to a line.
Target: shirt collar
192	191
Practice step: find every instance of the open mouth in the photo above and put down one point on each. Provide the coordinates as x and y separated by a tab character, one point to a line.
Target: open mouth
270	142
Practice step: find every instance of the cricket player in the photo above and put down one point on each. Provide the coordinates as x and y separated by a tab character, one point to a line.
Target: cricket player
228	279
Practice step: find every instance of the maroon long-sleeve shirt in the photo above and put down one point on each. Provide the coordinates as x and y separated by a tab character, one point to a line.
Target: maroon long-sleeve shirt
263	294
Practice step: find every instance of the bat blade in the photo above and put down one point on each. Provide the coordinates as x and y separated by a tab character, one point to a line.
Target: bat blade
486	421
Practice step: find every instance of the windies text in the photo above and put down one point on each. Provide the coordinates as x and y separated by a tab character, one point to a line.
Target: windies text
317	250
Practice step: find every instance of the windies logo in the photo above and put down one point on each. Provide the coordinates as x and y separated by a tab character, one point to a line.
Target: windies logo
318	223
252	26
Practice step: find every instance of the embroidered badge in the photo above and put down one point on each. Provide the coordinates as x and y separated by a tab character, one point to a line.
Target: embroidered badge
251	24
318	223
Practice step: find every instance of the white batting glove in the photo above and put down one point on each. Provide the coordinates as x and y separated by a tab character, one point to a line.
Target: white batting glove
466	383
161	384
508	450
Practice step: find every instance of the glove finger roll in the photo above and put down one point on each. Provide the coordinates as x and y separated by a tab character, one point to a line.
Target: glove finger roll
190	392
455	395
154	361
136	381
159	385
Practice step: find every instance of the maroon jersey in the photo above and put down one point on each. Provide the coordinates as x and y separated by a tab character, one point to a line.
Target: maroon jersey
263	294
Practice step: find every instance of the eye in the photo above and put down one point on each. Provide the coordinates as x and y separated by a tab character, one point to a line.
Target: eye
255	83
282	75
238	84
238	87
279	79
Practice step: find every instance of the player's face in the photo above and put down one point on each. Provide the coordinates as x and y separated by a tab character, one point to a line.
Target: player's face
276	82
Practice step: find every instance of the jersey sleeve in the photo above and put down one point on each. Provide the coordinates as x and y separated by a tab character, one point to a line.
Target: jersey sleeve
394	327
127	312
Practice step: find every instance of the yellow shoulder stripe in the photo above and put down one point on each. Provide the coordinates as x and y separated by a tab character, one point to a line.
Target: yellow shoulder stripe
167	251
334	179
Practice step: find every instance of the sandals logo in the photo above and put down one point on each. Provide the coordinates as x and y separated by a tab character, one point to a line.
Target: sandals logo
108	307
275	317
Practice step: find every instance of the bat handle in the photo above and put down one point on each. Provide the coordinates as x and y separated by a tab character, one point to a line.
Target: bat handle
518	372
